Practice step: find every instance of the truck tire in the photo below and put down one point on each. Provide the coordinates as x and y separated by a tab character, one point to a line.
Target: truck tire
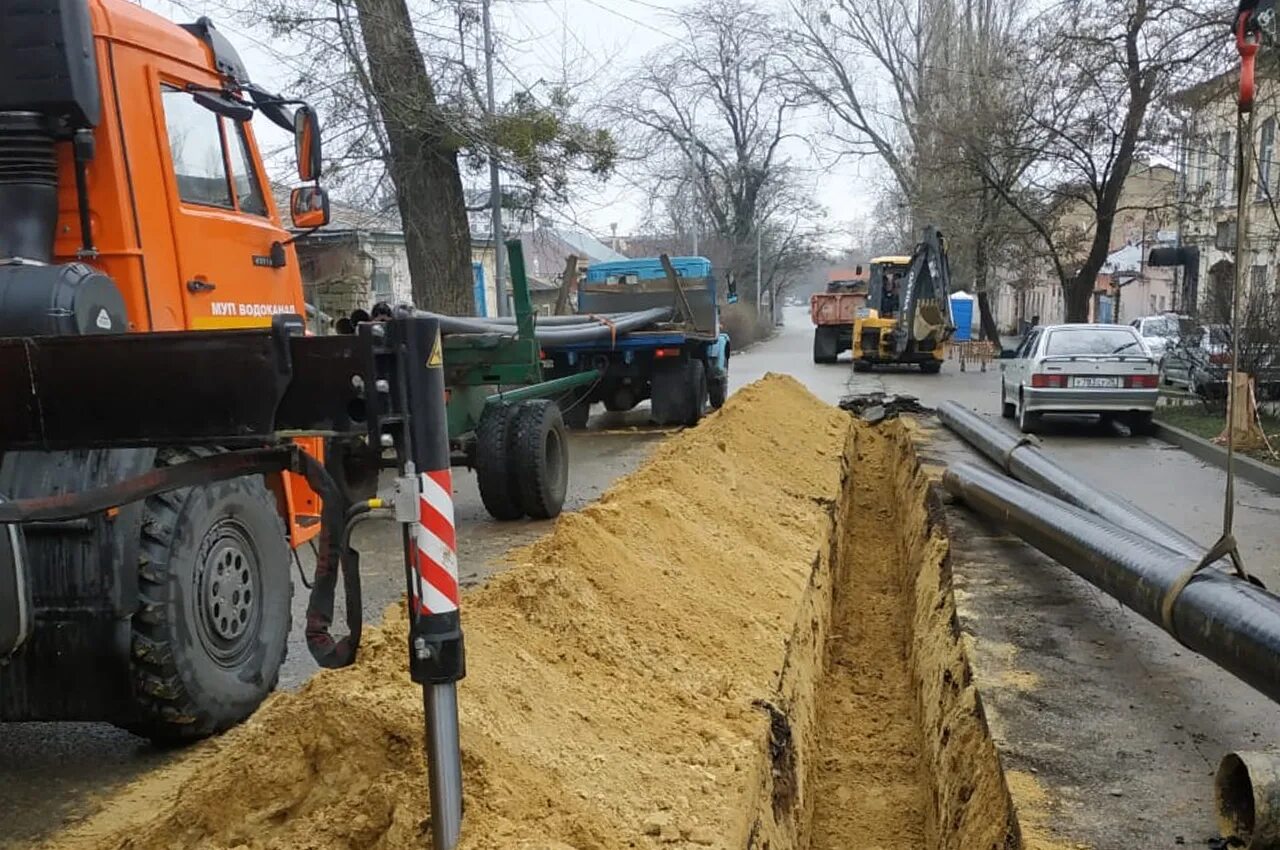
861	366
931	367
576	414
697	387
540	458
679	393
493	462
717	390
825	342
214	591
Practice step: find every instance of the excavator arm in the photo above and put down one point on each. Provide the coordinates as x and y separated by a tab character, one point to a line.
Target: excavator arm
924	321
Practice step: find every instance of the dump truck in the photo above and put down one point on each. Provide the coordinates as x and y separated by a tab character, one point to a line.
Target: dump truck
679	360
833	312
907	319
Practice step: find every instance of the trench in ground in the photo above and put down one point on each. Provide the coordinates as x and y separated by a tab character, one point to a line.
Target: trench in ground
893	750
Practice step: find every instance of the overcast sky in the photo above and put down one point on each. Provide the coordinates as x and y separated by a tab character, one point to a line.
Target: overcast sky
600	41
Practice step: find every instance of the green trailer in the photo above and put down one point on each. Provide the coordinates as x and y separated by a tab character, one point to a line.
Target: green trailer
504	418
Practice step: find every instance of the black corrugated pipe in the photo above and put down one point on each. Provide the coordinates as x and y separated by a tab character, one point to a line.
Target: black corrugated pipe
1020	457
1231	622
575	319
589	332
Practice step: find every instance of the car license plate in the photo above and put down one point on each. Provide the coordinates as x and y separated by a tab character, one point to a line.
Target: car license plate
1096	382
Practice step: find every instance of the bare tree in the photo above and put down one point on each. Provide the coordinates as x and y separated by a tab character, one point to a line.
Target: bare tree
406	122
1092	99
943	63
712	114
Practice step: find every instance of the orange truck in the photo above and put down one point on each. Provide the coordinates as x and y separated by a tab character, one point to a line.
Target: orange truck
169	433
834	311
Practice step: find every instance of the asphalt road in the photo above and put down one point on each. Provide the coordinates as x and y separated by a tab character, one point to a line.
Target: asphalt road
52	774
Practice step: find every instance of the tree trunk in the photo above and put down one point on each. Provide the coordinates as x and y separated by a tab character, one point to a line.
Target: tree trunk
981	270
1076	297
423	164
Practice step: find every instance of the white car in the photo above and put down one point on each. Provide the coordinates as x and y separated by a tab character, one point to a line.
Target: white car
1162	332
1103	369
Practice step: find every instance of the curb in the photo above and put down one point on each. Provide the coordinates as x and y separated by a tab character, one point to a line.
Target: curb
1264	476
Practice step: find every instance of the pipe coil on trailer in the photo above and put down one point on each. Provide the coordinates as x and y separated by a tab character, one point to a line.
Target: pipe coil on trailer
598	329
1019	456
1231	622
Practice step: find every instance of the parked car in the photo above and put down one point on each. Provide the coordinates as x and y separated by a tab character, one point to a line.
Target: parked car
1162	332
1103	369
1201	359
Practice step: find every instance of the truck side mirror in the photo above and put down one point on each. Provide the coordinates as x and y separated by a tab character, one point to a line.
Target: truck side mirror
306	142
309	207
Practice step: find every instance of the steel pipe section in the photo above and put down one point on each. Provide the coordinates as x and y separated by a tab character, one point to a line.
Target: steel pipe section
1231	622
1021	458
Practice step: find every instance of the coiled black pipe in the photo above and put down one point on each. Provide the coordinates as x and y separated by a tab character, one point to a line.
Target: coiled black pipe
1231	622
587	332
1020	458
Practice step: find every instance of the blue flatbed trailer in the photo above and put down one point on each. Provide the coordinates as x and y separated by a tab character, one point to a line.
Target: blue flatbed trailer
678	366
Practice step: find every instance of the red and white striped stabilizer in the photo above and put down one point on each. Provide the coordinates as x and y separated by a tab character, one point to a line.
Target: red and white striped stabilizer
436	577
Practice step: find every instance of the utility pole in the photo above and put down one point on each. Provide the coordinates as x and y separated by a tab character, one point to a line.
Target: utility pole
495	189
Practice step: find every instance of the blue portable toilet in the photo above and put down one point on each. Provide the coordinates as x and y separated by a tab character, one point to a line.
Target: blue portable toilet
962	315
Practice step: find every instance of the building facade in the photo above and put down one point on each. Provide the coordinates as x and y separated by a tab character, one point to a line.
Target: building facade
1128	286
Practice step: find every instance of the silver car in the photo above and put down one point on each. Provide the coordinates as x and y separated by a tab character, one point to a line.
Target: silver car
1103	369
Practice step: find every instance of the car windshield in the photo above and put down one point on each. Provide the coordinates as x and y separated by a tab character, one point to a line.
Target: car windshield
1069	341
1165	327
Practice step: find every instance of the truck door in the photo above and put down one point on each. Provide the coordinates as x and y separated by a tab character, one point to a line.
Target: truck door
224	222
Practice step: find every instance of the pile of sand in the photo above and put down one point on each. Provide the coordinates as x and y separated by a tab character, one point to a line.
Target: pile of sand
616	674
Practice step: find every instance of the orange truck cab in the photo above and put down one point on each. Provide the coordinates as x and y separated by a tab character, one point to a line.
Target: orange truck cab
133	198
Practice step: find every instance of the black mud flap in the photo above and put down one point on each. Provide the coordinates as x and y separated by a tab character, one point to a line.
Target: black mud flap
16	617
83	585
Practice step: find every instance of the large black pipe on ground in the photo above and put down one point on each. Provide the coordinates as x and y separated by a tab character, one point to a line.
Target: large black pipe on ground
1231	622
1020	457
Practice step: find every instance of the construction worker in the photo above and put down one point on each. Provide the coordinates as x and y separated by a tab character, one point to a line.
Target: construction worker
889	299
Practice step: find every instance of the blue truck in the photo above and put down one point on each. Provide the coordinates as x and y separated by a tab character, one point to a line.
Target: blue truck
680	365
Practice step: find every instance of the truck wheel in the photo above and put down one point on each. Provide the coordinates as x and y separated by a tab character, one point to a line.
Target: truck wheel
861	366
717	390
696	386
825	343
620	400
931	367
494	435
540	458
576	414
212	627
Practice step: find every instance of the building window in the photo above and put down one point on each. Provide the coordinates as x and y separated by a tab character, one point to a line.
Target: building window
381	284
1163	304
1225	170
1153	304
1266	153
1204	173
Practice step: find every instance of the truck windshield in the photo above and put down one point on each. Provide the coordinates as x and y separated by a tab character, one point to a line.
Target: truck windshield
1069	341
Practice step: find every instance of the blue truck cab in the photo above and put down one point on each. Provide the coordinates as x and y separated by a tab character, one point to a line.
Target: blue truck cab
679	365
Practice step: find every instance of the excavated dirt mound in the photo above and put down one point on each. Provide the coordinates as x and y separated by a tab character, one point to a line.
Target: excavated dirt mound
748	643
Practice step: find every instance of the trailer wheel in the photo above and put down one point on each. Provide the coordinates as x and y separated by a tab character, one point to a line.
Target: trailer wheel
493	462
212	627
540	458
